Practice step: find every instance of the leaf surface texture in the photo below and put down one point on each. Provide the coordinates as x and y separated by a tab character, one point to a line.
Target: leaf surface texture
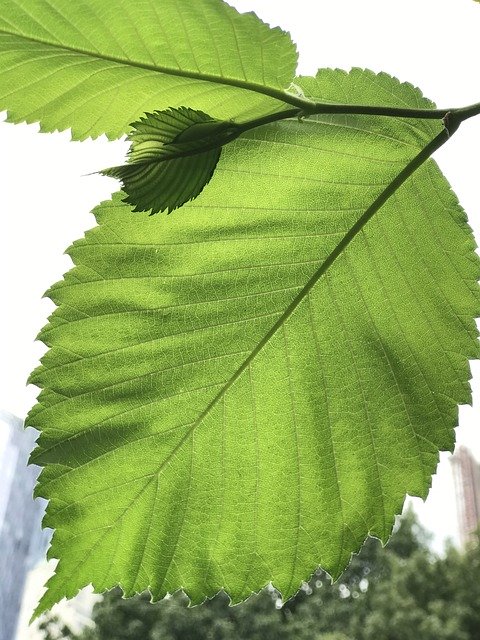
96	66
172	157
184	450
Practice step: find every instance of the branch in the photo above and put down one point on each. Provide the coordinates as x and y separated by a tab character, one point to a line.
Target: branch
455	116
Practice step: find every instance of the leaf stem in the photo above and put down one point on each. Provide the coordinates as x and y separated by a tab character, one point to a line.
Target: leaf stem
454	115
302	106
396	112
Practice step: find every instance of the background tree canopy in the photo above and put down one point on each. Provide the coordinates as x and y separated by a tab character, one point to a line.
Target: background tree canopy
399	592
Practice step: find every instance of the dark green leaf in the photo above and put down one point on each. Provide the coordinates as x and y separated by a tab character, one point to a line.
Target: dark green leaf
172	157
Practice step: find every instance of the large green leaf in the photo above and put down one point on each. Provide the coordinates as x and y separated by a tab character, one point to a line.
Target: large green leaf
207	421
97	65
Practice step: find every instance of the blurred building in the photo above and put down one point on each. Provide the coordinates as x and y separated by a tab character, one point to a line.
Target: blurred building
22	541
466	473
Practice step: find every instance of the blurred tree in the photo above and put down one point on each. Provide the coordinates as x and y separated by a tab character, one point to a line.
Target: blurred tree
400	592
52	628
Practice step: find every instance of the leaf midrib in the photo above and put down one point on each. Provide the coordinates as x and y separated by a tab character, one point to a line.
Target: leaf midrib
347	238
354	230
277	94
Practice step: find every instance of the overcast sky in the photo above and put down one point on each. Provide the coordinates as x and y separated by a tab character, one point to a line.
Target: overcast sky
47	194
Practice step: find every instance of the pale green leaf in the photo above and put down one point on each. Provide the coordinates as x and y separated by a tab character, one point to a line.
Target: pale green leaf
97	65
172	157
207	421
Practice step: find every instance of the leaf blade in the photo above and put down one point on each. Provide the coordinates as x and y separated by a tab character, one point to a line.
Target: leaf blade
284	472
96	67
172	157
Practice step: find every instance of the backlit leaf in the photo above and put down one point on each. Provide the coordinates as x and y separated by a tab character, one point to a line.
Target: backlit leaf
97	65
172	157
208	420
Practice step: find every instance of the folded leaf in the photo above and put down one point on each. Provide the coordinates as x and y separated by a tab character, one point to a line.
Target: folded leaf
97	66
172	157
208	420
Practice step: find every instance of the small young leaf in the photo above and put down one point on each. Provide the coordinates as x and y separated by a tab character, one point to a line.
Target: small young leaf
173	156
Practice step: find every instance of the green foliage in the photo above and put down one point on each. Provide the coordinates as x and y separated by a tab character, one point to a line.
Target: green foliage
51	627
397	593
205	404
97	66
245	392
173	155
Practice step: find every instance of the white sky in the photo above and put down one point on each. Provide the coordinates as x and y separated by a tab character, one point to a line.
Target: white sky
46	195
